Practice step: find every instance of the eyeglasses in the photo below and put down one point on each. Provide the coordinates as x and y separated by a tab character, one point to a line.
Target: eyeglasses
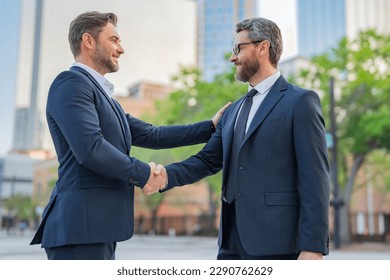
237	47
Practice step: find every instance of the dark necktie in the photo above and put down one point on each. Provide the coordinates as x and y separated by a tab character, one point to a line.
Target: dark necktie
238	137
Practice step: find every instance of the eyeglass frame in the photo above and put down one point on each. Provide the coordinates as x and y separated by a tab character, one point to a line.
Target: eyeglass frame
238	46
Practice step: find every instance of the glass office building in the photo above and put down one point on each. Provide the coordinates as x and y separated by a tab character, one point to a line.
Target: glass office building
216	31
321	24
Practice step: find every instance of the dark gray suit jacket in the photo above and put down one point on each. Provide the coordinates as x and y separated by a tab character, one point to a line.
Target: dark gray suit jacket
93	199
282	201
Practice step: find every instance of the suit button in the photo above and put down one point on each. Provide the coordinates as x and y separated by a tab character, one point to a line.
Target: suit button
241	168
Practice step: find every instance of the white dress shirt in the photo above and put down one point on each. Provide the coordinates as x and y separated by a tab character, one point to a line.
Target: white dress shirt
103	82
262	90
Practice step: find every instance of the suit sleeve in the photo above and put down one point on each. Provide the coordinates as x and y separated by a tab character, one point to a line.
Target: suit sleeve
311	152
205	163
71	105
163	137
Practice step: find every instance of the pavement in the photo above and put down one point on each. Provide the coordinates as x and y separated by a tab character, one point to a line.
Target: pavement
16	247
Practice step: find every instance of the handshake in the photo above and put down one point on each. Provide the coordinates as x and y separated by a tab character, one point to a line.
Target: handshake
158	179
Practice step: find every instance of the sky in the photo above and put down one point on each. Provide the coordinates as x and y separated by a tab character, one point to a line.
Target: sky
284	14
8	56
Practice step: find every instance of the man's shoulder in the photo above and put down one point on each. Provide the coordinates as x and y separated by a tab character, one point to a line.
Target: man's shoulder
71	78
298	91
72	83
72	73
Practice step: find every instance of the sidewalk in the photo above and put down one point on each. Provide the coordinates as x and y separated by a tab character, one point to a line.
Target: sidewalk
176	248
366	247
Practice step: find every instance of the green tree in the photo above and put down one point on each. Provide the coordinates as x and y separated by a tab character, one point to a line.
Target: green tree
361	69
21	206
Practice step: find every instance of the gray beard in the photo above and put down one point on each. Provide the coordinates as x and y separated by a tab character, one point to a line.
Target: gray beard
248	69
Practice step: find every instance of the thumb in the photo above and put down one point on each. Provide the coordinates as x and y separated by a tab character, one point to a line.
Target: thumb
157	170
152	166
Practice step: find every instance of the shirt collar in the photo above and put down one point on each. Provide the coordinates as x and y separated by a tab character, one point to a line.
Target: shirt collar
103	82
265	85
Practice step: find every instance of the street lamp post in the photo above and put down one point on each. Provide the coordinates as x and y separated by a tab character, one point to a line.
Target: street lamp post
337	201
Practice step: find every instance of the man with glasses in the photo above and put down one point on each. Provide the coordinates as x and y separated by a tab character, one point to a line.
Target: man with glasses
271	147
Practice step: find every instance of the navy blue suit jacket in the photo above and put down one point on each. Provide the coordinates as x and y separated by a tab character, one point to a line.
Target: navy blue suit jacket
282	200
93	199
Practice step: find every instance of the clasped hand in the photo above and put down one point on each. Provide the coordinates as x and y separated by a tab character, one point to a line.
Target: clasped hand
158	179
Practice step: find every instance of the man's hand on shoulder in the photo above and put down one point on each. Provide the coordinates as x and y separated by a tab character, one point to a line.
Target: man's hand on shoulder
219	114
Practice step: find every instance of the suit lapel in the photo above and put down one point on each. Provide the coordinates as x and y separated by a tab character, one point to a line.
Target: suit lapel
274	95
272	98
108	99
230	123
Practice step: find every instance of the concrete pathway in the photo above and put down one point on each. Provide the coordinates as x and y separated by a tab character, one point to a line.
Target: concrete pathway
175	248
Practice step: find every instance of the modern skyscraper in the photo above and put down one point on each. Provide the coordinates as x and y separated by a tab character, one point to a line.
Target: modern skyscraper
33	124
365	14
321	23
20	129
216	22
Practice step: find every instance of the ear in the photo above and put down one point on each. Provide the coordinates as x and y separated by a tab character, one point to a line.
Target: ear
88	41
264	46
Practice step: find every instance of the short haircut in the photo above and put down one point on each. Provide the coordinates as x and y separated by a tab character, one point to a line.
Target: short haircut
264	29
88	22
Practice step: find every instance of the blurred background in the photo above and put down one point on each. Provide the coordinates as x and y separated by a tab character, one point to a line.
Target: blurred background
176	70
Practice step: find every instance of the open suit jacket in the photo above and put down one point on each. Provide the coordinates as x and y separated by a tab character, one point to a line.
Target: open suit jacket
282	199
93	199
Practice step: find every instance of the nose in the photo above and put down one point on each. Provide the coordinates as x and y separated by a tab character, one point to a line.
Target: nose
120	49
233	57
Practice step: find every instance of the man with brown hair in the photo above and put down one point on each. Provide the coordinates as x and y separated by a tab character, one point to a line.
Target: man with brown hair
92	205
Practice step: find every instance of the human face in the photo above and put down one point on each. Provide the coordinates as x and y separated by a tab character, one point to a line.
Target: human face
108	50
247	65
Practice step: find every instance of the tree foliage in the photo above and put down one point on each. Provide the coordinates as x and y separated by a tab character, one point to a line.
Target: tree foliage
21	206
